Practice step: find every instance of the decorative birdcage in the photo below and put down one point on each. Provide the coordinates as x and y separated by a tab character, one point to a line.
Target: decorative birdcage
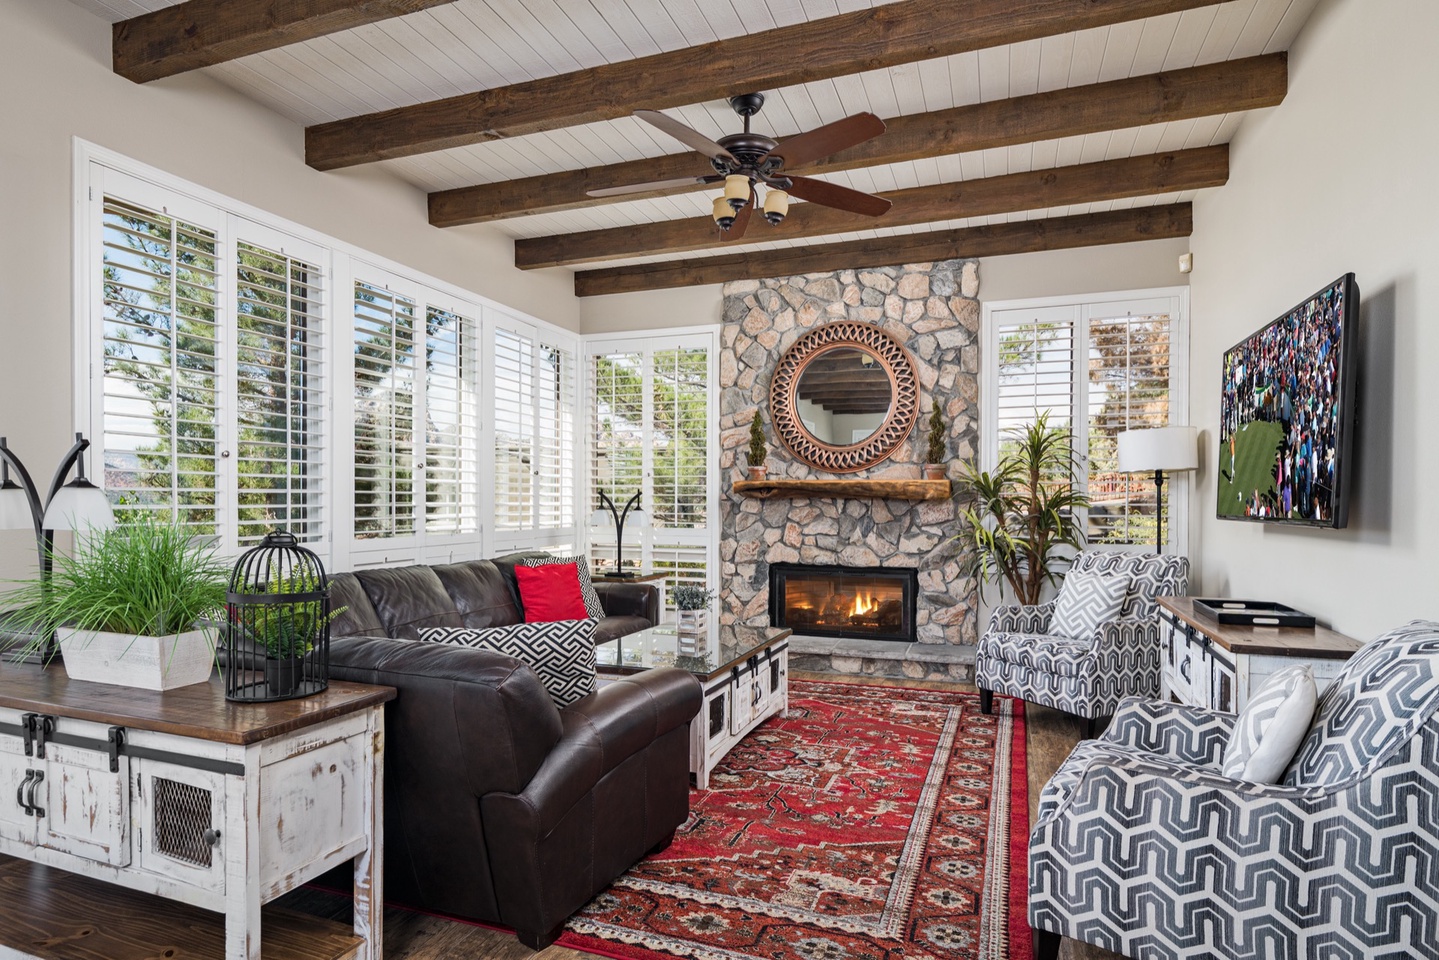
277	640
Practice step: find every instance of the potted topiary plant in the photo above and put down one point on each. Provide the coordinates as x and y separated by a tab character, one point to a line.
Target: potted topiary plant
1021	526
692	603
131	605
934	468
757	451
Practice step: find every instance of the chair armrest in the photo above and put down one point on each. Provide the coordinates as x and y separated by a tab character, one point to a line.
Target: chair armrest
602	731
1021	619
630	600
1172	730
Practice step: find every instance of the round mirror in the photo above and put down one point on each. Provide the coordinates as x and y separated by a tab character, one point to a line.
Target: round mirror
843	396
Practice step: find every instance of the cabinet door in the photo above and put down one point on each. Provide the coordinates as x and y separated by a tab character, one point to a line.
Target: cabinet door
16	773
87	808
179	813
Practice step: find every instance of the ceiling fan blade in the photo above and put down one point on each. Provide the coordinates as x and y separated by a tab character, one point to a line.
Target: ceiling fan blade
741	220
686	135
841	198
652	186
831	138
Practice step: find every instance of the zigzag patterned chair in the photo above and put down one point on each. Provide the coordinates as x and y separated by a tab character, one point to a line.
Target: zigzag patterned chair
1142	847
1087	678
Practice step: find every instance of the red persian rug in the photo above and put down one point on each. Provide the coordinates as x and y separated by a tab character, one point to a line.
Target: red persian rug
872	823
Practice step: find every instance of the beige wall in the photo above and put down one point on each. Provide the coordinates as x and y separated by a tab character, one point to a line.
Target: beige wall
1063	273
652	309
1340	177
56	84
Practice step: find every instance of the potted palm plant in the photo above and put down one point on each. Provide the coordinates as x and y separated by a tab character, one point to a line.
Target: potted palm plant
1020	528
934	457
757	450
130	606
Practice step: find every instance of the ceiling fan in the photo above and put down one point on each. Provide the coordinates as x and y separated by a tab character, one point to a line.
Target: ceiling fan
745	160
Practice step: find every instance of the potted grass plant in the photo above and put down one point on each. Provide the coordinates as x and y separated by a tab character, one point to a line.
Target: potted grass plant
130	605
1021	526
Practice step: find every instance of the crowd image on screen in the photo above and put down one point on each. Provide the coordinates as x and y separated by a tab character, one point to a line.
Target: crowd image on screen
1288	373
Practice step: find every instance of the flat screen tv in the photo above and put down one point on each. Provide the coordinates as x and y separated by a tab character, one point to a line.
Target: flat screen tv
1287	422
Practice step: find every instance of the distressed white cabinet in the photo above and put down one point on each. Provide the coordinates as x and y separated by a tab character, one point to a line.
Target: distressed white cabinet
1206	663
182	795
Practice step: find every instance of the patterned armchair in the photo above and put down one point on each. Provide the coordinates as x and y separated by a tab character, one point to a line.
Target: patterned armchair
1142	847
1087	678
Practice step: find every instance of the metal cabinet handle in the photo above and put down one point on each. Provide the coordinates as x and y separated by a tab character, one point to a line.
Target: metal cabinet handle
30	806
20	794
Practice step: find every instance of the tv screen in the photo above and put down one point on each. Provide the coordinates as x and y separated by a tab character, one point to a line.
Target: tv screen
1288	414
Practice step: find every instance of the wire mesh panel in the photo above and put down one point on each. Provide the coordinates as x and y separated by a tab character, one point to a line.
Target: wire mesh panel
184	824
277	641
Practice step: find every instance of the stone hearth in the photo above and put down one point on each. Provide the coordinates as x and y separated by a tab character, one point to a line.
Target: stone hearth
931	308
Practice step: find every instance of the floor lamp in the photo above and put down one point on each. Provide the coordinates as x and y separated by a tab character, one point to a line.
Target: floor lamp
1159	450
608	515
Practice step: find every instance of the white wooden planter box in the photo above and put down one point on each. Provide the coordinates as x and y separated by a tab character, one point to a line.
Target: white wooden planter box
150	663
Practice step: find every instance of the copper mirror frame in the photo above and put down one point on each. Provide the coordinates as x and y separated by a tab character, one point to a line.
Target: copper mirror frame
904	407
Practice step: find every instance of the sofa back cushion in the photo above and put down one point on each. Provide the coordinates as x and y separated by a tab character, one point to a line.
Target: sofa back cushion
1150	577
1382	696
480	594
408	599
358	618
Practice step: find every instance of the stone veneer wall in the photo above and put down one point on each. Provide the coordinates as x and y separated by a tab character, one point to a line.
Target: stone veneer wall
931	308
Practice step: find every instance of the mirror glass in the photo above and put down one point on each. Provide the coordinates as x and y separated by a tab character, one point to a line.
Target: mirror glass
843	396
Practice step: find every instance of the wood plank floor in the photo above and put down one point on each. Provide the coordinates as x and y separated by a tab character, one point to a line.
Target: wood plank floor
409	936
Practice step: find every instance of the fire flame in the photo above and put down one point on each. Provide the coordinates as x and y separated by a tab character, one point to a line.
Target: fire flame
864	603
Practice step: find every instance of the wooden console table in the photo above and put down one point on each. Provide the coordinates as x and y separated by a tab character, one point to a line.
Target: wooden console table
1206	663
184	796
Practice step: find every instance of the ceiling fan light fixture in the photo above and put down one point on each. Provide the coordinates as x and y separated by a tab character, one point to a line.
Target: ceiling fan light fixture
776	206
736	190
723	215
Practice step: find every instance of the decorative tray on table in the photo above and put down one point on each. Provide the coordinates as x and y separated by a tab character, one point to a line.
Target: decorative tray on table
1252	613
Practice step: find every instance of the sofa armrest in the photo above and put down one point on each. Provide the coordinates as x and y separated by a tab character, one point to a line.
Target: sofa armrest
630	600
604	730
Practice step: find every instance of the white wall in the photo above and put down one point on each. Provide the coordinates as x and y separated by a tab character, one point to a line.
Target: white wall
55	85
652	309
1340	177
1064	273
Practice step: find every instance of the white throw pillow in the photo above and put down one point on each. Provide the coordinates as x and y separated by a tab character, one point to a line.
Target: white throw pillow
1271	726
1085	601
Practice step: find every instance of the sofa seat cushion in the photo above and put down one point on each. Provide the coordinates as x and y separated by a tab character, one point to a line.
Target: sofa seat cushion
1048	654
612	628
408	599
561	652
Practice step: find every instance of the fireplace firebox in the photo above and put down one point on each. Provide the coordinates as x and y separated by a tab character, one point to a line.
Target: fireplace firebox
869	603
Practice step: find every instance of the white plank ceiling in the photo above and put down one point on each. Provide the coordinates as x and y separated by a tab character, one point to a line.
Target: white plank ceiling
477	44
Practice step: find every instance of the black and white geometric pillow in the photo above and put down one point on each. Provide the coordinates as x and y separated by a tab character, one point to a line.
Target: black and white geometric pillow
1271	726
587	587
562	652
1085	601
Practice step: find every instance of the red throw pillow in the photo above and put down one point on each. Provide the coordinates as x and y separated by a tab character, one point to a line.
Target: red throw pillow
551	593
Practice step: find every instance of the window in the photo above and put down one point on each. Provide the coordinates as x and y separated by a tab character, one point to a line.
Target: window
650	432
1098	368
534	400
451	423
384	402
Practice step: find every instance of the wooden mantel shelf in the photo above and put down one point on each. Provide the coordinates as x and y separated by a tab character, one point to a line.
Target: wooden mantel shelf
846	489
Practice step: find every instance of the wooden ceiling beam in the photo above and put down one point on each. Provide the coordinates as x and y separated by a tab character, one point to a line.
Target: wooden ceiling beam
1028	236
869	39
1213	89
1139	176
201	33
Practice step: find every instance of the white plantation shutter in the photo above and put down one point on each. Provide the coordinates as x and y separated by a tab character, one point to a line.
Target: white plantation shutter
534	396
1128	389
617	447
161	344
280	388
384	411
451	423
555	438
514	390
679	389
1098	368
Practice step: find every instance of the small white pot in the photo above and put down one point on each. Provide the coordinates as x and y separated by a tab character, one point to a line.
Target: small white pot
150	663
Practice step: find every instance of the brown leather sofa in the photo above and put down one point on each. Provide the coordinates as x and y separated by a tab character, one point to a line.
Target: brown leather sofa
498	806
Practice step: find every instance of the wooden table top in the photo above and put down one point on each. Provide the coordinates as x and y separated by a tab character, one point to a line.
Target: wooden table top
1318	643
200	710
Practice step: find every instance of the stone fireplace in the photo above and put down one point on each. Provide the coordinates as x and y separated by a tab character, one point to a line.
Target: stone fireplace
933	310
865	603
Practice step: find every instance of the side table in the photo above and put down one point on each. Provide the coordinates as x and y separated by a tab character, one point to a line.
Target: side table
185	796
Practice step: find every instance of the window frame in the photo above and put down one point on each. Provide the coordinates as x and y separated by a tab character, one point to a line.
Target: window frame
1085	309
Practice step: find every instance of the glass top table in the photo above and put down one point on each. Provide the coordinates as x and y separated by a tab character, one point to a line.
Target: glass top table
707	655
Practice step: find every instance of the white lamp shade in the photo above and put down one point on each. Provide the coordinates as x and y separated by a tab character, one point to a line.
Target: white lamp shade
602	518
79	505
15	508
1163	448
637	519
